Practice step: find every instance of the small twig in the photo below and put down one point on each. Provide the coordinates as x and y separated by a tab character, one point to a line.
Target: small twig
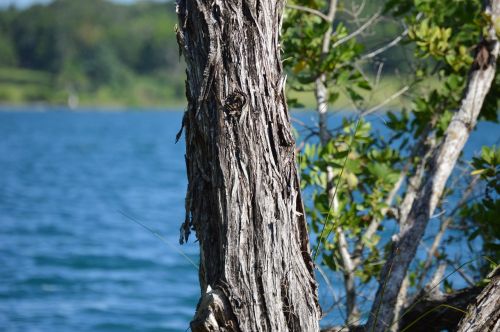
336	301
160	237
439	236
310	11
358	31
360	9
387	46
379	74
303	124
384	48
464	276
385	102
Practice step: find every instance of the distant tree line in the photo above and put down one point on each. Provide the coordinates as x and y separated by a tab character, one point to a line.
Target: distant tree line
85	45
109	51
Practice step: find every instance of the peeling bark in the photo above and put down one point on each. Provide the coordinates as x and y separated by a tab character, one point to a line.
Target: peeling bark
440	167
243	199
484	314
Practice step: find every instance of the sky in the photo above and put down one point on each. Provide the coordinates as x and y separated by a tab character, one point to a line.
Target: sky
26	3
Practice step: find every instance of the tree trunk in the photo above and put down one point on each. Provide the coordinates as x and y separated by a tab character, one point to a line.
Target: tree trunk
441	165
243	199
484	314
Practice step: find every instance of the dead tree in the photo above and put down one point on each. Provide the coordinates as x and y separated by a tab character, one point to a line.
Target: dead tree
243	199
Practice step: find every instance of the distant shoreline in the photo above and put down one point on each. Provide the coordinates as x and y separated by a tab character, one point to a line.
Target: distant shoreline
44	107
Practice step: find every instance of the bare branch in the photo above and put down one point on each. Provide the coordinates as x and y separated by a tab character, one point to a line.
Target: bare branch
336	301
358	31
387	46
332	10
310	11
439	236
357	10
349	278
461	272
437	312
442	163
431	287
379	74
384	48
386	101
347	263
425	150
321	91
400	304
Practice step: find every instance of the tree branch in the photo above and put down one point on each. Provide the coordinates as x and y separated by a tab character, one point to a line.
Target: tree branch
358	31
310	11
418	150
431	254
386	101
321	91
384	48
441	165
438	312
484	314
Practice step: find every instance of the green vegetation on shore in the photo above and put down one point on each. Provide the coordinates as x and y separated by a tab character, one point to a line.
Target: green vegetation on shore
94	52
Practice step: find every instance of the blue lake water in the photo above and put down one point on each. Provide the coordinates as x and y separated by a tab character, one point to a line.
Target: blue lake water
69	258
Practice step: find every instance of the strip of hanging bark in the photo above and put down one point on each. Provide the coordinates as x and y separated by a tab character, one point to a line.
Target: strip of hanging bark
441	165
484	314
243	198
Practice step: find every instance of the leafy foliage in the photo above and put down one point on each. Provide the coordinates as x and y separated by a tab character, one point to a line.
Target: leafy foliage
302	42
368	167
352	176
481	215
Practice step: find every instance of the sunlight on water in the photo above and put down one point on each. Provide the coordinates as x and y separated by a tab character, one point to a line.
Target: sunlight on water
70	260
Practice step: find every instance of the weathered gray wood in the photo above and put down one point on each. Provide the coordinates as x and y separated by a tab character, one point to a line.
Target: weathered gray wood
243	199
431	312
440	167
437	311
484	314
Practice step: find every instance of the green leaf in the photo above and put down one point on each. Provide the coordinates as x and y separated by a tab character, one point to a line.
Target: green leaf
478	171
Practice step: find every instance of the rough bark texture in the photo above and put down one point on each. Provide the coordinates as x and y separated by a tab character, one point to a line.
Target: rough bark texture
484	314
437	312
243	199
440	167
432	312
